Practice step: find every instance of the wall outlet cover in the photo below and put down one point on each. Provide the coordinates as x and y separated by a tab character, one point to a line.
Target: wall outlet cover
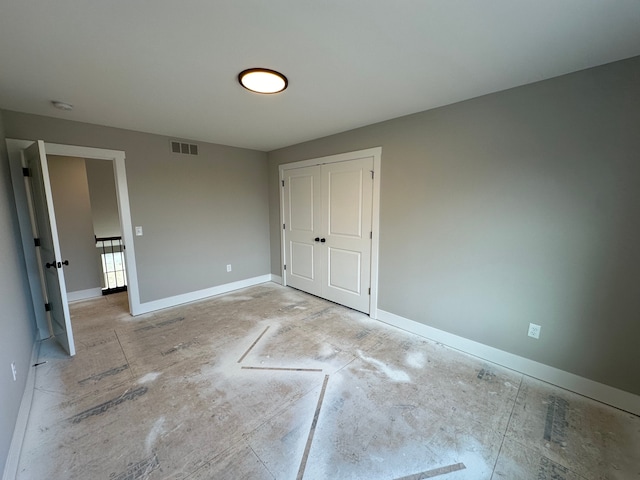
534	330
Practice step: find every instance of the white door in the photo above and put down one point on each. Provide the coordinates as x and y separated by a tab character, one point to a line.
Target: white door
49	250
347	195
327	211
302	205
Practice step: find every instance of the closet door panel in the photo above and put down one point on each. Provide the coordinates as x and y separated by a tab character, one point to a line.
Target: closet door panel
347	196
302	212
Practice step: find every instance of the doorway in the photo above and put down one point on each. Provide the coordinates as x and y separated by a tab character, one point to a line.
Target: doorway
330	211
89	231
45	295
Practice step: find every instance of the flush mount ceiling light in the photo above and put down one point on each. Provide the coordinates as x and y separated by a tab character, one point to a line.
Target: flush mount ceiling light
263	80
62	105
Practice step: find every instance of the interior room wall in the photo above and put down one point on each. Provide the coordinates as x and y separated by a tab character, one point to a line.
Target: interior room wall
17	320
72	205
515	207
104	202
198	213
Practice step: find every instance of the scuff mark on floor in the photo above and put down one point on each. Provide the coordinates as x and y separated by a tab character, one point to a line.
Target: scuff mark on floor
163	323
415	359
149	377
154	433
103	407
138	470
392	374
99	376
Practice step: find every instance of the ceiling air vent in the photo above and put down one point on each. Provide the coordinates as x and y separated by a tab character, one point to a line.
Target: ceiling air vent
186	148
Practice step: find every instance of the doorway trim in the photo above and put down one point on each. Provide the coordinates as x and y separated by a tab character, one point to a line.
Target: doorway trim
376	153
124	208
15	148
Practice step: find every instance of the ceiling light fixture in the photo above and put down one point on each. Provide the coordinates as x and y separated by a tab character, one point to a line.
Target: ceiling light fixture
62	105
263	80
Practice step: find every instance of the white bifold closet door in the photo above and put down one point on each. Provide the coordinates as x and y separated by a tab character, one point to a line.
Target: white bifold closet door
327	230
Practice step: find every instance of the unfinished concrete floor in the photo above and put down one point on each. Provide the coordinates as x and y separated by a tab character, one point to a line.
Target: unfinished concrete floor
270	382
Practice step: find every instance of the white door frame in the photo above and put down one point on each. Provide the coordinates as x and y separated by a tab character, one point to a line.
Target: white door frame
124	209
118	158
376	153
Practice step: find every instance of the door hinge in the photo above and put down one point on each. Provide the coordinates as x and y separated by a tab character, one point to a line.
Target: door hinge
283	226
371	235
26	172
47	307
36	242
371	174
283	183
369	290
285	267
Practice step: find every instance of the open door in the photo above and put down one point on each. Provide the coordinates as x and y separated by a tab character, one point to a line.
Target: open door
44	220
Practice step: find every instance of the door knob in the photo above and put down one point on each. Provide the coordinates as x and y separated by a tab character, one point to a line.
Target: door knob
323	240
317	239
52	264
66	262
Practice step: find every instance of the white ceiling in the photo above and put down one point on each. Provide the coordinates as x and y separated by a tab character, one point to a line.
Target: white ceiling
170	67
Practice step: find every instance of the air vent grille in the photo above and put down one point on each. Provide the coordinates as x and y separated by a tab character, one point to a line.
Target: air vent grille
186	148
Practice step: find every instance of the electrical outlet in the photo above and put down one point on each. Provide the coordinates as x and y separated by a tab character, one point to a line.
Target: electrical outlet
138	231
228	268
534	330
14	371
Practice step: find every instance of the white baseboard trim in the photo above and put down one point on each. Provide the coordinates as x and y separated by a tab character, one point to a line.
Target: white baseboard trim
569	381
199	295
276	279
84	294
13	458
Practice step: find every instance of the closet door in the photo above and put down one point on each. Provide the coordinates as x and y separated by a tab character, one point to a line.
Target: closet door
327	230
347	198
302	213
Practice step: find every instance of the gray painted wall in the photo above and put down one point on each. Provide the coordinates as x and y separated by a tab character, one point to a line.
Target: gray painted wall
72	206
104	203
516	207
198	213
17	320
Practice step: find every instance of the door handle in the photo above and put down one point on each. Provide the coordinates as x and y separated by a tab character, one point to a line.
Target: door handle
52	264
317	239
323	240
66	263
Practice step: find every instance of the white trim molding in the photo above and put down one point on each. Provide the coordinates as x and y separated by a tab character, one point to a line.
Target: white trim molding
276	279
199	294
84	294
13	457
603	393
